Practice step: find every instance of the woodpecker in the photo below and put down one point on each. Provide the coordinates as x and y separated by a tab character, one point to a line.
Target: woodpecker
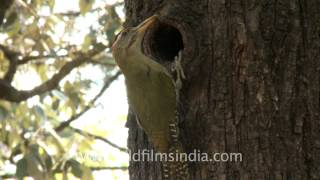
152	94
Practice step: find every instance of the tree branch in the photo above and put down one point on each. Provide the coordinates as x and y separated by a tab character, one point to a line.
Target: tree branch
109	64
10	93
108	82
123	168
79	131
13	55
27	59
77	13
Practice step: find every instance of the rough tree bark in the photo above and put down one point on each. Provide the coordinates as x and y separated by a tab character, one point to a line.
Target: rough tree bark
253	85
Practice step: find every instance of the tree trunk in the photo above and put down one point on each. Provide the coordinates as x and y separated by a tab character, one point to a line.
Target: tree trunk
252	86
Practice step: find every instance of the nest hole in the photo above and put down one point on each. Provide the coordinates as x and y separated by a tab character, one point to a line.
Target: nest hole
163	42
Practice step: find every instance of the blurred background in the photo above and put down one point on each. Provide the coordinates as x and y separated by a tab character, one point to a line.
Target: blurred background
73	124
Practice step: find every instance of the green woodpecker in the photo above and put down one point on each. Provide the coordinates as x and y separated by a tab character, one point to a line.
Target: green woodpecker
152	94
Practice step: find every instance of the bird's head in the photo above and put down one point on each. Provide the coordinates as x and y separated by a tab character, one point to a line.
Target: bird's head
129	41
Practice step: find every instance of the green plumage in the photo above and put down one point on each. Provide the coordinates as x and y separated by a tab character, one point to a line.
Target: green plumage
150	88
151	93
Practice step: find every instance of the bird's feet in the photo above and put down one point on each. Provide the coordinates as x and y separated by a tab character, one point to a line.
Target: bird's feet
180	73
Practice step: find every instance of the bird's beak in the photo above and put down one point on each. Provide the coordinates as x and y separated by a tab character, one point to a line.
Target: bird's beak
142	28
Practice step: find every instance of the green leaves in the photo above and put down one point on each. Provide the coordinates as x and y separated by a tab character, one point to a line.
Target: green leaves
39	165
41	3
110	21
51	3
32	164
89	39
12	23
3	112
22	170
78	170
39	112
45	35
75	168
85	6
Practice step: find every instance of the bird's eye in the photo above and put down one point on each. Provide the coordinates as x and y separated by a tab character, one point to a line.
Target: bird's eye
121	34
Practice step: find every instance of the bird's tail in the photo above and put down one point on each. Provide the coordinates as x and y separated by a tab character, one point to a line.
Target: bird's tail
176	166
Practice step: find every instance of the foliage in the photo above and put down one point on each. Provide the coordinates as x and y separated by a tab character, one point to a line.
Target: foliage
45	53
